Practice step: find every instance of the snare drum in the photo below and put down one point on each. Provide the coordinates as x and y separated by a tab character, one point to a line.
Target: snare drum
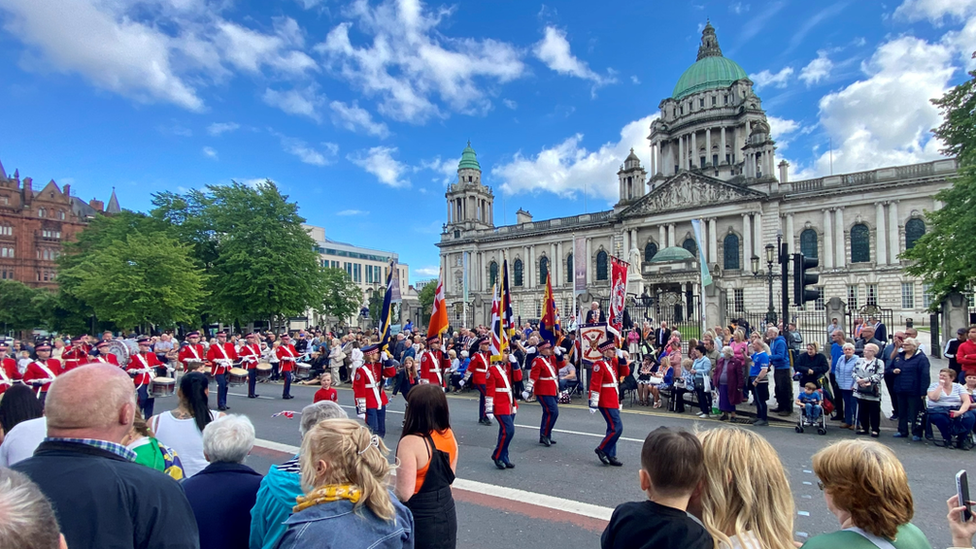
264	371
163	387
236	376
302	370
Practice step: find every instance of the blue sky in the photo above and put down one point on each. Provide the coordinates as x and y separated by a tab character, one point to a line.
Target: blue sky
359	110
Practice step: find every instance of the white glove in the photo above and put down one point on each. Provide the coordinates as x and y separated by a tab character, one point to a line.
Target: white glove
361	416
620	353
384	356
490	417
513	359
592	410
525	395
559	351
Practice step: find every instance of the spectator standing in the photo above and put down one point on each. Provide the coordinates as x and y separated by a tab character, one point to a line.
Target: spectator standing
28	518
867	374
844	372
839	338
18	405
326	392
779	358
428	454
911	379
951	348
891	351
346	503
595	314
759	380
966	354
224	493
23	426
703	380
880	330
728	378
950	410
662	336
101	498
182	429
867	336
336	357
834	324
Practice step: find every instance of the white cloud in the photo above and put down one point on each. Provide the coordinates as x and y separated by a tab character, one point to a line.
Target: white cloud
935	10
210	152
817	70
111	50
554	51
345	213
355	118
408	60
446	168
218	128
778	79
307	153
634	79
250	50
433	270
738	8
303	102
379	161
510	103
568	168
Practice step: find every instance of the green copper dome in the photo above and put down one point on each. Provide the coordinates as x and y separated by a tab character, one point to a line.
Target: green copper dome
671	254
469	159
711	70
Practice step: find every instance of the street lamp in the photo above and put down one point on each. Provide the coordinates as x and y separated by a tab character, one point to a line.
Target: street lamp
768	275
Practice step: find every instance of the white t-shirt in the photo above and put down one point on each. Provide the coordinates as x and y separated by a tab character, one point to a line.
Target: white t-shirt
20	443
183	436
951	400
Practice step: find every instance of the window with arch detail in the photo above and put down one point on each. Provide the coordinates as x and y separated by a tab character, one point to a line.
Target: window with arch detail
808	243
860	243
492	273
601	265
731	252
650	250
6	230
689	244
569	268
41	212
914	229
517	272
543	269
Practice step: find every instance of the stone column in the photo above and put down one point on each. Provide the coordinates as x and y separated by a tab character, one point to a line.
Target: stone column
532	267
662	240
713	241
445	274
828	232
553	261
589	254
791	234
681	154
895	238
747	237
626	249
694	148
557	277
757	242
449	211
721	153
671	234
708	145
841	244
880	234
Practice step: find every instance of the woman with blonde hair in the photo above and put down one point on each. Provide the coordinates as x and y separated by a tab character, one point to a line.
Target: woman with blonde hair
745	501
866	488
346	503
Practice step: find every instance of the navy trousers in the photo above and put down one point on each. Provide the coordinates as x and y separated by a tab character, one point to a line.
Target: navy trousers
376	420
221	390
287	390
482	392
550	413
615	428
506	431
252	379
146	401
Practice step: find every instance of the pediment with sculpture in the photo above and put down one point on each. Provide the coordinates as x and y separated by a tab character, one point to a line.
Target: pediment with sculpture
689	191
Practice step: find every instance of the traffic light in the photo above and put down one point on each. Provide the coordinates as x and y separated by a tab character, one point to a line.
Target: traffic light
802	279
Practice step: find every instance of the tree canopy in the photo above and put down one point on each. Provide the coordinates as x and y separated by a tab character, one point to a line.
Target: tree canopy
23	307
343	297
426	297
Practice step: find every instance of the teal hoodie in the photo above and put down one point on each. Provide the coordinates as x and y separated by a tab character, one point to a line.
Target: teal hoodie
276	498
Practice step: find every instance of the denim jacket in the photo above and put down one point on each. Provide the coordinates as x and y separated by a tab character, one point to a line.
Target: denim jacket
336	525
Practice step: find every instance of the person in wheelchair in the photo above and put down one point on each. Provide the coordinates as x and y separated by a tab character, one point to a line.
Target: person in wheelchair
567	377
949	408
809	402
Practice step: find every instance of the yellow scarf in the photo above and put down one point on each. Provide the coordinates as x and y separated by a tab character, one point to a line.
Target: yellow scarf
327	493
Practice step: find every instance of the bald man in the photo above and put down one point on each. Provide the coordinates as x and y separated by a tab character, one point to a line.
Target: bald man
101	496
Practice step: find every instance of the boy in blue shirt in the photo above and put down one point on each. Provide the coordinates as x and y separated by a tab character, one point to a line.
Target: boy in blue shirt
809	400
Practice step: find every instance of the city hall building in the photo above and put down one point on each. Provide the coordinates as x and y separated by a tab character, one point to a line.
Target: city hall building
710	157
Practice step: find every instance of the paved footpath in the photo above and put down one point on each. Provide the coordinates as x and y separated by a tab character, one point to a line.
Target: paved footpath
563	494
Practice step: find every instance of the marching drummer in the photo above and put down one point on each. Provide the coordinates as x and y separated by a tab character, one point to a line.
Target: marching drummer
191	354
221	356
287	354
604	397
142	369
434	364
41	372
104	357
76	355
250	354
367	386
9	374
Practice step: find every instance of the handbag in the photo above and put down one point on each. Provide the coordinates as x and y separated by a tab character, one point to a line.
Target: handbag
872	390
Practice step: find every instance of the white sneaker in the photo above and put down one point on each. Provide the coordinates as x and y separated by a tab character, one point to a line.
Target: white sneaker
702	414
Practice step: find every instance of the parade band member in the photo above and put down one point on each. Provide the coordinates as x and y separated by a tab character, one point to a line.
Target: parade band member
191	353
605	398
480	361
544	382
286	354
76	356
221	356
250	353
367	387
9	374
41	372
434	364
104	357
501	403
142	367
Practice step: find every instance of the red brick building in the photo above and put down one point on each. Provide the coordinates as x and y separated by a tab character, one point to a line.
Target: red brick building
35	222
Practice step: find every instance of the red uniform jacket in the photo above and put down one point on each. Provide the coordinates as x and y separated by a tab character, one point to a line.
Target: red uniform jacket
286	355
222	353
107	358
544	377
326	394
368	386
8	374
141	361
74	357
501	398
250	354
433	368
479	368
41	369
966	356
190	352
604	382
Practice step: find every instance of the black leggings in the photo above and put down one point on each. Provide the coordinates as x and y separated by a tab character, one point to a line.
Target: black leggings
869	414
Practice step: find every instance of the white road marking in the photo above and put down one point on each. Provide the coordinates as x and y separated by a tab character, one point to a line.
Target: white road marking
579	433
245	396
502	492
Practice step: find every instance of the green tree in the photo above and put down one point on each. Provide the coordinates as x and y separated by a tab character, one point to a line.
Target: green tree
376	305
944	257
139	279
426	298
18	309
342	296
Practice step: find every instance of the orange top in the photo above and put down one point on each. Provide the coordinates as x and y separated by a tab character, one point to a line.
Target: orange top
445	442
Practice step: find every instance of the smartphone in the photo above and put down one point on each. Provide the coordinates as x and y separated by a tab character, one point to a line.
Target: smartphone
962	490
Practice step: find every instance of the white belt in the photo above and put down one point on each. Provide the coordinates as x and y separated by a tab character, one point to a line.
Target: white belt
609	385
370	385
547	379
503	391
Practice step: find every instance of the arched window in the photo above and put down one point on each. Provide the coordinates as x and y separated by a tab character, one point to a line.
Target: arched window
650	251
601	265
860	243
569	268
61	214
543	269
41	212
6	230
517	269
731	252
914	230
492	273
689	244
808	243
